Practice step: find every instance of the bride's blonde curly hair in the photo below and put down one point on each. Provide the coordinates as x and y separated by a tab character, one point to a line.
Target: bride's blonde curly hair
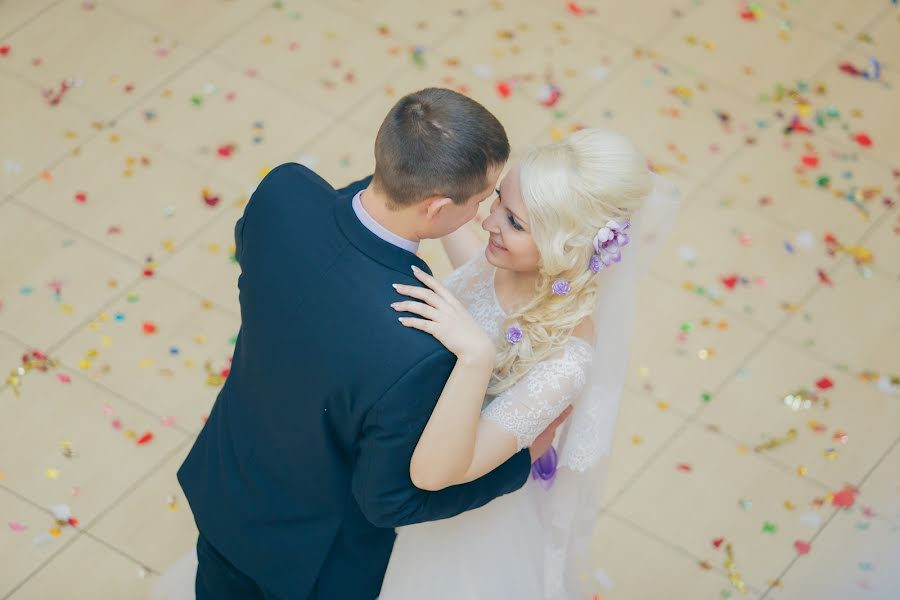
570	189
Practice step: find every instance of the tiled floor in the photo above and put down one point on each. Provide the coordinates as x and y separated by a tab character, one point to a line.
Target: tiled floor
760	413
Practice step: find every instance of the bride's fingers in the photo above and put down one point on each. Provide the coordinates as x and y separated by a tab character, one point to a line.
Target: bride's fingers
417	308
417	292
433	283
420	324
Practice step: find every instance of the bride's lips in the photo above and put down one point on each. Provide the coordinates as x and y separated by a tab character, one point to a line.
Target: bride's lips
495	247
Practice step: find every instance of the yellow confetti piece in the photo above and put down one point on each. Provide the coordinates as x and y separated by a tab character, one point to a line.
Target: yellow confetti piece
200	339
146	363
169	245
213	248
67	308
637	440
662	405
84	365
801	470
106	341
55	531
51	473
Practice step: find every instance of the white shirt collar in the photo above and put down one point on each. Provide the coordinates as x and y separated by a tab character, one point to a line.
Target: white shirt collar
378	229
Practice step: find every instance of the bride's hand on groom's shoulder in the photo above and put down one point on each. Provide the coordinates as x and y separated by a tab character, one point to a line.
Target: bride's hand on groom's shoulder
444	317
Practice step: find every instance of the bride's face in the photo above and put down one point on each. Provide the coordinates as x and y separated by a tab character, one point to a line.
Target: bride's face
511	245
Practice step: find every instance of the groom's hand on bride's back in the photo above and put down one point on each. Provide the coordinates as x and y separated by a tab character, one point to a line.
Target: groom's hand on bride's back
543	442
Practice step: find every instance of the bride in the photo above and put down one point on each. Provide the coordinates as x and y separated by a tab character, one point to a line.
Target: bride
540	323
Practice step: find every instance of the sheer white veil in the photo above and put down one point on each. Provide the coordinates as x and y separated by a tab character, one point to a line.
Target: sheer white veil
584	443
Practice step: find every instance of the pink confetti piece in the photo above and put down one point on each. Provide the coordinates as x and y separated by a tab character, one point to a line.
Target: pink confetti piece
17	527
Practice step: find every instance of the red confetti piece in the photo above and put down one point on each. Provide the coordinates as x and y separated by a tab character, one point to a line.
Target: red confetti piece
149	328
73	522
504	89
684	467
574	8
717	543
810	160
145	439
863	140
823	278
210	199
730	282
802	547
81	197
824	383
5	49
64	378
845	497
748	15
116	424
226	150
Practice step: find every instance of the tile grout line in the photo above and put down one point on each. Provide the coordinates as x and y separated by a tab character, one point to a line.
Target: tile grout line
17	28
82	530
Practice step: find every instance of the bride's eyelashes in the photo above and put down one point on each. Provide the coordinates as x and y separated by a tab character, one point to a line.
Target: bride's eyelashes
512	221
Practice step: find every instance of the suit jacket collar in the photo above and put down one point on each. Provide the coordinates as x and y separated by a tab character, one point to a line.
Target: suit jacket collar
371	245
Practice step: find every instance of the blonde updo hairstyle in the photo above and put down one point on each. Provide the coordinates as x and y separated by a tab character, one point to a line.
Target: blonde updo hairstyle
571	189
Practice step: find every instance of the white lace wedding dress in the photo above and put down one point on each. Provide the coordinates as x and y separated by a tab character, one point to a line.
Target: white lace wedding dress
494	552
497	551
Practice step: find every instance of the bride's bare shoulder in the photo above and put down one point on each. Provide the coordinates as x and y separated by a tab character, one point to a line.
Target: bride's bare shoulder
585	330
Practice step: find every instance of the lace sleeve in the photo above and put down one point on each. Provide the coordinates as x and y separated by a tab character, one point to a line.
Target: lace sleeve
540	396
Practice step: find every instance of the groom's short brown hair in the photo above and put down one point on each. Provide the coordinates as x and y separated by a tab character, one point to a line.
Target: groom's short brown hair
437	142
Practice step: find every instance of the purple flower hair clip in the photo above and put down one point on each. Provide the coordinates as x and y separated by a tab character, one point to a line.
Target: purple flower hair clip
608	244
560	287
514	334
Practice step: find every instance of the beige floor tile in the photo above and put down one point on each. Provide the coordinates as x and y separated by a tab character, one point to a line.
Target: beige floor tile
153	524
639	22
686	124
522	117
742	258
643	426
87	570
413	21
316	53
16	13
884	243
138	199
881	489
810	183
834	18
885	41
840	435
52	279
852	558
852	322
632	565
111	59
235	126
206	264
26	541
198	23
69	442
62	129
341	155
536	53
153	347
684	346
727	495
867	107
750	57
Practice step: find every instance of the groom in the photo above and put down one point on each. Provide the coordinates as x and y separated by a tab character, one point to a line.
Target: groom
302	470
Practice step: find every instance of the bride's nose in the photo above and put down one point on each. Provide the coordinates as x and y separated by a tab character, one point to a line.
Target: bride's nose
489	225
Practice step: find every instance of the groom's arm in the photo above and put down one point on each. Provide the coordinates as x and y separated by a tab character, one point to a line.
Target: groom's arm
381	480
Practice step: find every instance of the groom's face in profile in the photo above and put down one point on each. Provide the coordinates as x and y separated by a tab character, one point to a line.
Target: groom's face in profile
451	216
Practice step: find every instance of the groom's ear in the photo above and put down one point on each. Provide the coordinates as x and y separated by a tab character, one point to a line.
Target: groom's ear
434	206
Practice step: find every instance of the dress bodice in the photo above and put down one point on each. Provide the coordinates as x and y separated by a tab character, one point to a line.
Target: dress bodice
526	408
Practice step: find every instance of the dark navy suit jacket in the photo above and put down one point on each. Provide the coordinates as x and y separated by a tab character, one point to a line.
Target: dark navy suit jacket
302	470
